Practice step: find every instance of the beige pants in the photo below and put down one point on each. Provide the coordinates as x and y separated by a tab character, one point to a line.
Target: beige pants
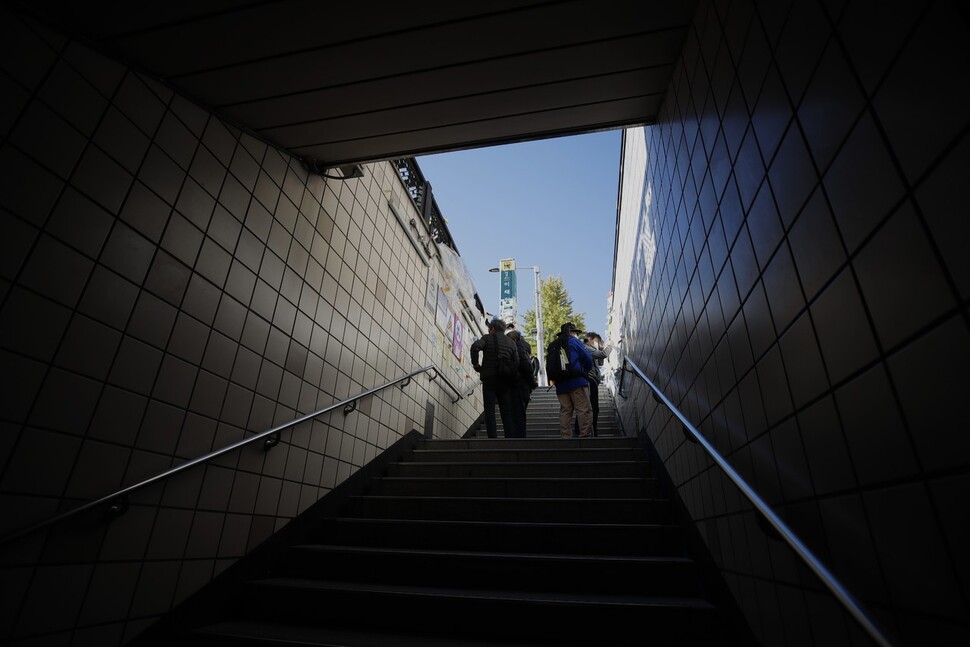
576	401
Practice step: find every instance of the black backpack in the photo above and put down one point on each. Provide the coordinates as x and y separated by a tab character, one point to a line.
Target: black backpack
505	367
558	366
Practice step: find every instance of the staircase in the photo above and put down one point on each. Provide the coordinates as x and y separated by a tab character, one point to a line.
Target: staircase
542	415
473	542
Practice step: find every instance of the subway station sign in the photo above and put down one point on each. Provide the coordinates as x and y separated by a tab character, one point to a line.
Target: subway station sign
508	289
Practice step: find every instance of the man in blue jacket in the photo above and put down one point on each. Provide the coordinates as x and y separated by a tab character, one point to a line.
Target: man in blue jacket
573	392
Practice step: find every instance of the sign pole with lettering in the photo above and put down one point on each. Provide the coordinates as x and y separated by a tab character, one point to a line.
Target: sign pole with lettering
507	297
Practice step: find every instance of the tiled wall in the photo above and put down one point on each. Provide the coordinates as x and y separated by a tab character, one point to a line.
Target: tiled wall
797	281
168	284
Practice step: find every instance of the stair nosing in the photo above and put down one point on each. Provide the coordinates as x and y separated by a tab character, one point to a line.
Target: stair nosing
289	634
534	450
643	462
536	557
539	597
519	479
468	522
574	499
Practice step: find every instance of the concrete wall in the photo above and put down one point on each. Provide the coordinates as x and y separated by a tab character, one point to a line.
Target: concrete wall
792	270
167	285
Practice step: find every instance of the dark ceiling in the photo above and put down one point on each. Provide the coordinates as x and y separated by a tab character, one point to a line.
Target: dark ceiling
342	82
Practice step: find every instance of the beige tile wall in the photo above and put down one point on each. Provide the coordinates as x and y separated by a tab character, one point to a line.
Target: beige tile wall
168	285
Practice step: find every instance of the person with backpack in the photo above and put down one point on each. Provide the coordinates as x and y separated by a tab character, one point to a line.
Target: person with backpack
567	363
599	352
524	384
499	369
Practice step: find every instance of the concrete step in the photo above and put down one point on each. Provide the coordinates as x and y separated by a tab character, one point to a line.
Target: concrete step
518	487
527	455
599	575
520	469
252	633
522	509
483	613
506	537
529	443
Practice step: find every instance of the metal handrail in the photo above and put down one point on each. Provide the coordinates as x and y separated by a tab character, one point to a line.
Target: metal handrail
468	391
461	396
831	582
271	436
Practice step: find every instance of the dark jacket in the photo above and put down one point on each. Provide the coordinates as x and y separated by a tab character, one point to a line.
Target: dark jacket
525	362
578	356
492	346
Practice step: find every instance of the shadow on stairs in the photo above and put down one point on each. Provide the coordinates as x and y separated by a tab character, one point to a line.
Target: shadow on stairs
535	541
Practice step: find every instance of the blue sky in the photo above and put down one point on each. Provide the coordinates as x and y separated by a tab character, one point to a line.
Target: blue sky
550	203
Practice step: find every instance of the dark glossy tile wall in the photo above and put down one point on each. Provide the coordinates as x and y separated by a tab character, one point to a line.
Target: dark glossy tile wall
168	284
807	305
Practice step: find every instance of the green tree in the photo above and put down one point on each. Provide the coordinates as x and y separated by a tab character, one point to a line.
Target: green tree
557	309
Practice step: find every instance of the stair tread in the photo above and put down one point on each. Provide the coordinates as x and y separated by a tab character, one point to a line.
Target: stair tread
528	557
638	462
288	634
523	479
529	442
533	499
577	599
538	524
526	450
620	441
517	486
578	531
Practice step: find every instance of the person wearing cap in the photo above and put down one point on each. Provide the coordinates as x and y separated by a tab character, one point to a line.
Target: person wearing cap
573	392
496	389
599	352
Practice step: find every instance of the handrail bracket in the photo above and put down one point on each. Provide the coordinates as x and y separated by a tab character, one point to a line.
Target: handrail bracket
118	507
271	441
689	436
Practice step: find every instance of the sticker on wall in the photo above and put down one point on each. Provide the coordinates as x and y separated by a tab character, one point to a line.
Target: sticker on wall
443	312
458	338
431	296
